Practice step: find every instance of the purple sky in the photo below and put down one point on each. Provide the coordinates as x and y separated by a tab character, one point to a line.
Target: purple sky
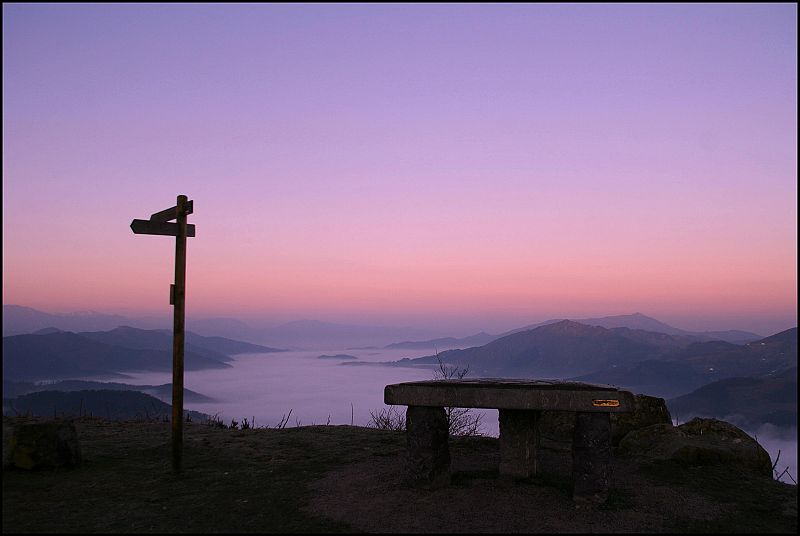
480	166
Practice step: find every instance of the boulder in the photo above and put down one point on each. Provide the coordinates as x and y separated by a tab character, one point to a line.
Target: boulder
699	442
35	445
648	410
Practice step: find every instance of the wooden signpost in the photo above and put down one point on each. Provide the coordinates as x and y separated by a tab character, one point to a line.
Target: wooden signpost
158	225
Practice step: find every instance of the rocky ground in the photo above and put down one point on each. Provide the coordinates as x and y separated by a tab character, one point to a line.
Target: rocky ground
350	479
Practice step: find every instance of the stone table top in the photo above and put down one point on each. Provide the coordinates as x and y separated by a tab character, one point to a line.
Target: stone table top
520	394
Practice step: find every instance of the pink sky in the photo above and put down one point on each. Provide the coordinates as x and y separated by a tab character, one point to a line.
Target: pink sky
476	166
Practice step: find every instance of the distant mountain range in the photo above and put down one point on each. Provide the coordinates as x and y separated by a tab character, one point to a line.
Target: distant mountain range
636	321
445	343
58	354
644	361
218	348
702	363
314	334
18	320
642	322
560	349
306	334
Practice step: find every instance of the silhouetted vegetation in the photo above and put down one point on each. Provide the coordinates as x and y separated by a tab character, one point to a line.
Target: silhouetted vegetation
780	474
391	418
461	421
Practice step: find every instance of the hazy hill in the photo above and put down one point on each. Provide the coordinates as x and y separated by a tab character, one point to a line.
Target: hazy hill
218	348
144	339
646	323
670	375
656	377
47	331
746	402
12	389
697	364
69	355
52	353
638	321
767	356
110	404
561	349
479	339
634	321
710	347
735	336
19	320
312	334
225	327
666	365
308	334
224	345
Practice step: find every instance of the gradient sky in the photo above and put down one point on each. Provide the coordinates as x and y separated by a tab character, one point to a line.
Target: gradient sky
471	166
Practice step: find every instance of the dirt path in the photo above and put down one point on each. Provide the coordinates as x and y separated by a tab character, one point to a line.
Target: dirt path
372	497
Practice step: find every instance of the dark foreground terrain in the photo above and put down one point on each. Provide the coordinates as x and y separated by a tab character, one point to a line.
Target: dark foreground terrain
346	479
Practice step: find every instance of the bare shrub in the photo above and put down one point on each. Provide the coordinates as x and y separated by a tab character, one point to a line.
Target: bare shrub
389	418
215	421
778	476
284	420
460	421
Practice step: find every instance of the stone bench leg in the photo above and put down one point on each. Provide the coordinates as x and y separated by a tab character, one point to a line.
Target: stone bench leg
428	451
519	440
591	456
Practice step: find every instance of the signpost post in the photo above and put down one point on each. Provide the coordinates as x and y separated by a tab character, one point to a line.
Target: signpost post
158	225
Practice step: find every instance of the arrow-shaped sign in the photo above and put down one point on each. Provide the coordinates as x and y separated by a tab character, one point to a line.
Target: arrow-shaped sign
172	212
159	228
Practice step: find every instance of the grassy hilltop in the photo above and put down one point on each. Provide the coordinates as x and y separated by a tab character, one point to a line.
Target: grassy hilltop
346	479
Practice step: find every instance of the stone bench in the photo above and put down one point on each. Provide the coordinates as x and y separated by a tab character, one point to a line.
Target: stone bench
519	403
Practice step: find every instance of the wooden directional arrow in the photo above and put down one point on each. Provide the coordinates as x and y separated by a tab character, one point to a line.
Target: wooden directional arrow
159	228
172	212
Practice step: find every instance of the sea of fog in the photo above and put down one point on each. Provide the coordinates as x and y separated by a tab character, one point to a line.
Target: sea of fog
264	388
267	386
